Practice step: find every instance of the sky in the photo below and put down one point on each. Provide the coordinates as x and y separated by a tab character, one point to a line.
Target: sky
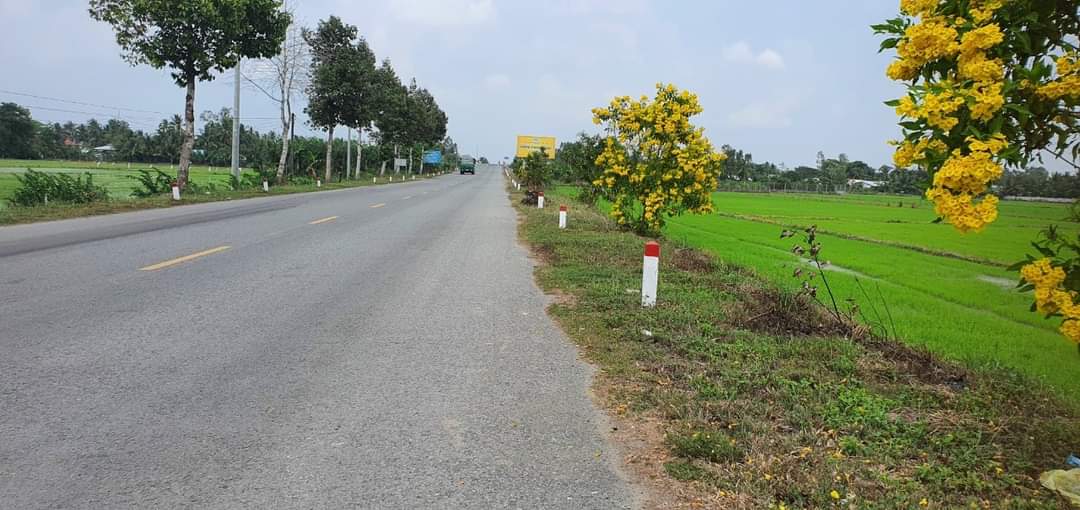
781	79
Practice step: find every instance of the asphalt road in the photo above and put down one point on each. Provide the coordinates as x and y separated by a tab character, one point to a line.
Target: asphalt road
394	354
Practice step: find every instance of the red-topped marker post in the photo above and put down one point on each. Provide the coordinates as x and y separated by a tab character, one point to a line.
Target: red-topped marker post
650	274
540	200
562	216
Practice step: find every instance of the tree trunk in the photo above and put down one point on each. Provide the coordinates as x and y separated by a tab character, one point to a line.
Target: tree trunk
329	153
285	139
359	152
189	135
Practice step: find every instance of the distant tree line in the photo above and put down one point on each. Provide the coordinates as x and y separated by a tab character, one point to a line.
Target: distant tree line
575	161
22	137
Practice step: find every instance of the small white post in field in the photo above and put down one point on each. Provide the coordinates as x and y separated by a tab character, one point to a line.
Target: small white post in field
318	183
374	180
46	199
650	274
175	191
562	216
540	200
266	186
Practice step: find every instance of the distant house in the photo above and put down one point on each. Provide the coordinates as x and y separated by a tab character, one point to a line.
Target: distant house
864	184
101	153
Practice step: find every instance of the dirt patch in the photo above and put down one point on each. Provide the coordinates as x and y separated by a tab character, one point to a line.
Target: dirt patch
693	261
781	313
919	364
558	297
545	254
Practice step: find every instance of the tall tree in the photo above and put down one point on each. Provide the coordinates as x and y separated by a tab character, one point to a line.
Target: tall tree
16	132
391	117
193	39
330	92
363	101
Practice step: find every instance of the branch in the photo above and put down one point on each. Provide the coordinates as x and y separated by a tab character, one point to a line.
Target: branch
272	98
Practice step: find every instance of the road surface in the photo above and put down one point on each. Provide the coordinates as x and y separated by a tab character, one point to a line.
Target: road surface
380	347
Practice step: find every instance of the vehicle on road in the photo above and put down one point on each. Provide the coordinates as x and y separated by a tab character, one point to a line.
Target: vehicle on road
467	165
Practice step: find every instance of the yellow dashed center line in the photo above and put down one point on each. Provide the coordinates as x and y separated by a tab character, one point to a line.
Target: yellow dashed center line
324	220
376	206
185	258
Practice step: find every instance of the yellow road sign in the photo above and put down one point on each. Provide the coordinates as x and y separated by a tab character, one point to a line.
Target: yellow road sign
529	144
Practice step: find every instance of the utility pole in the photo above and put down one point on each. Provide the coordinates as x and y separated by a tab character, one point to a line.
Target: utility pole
236	125
348	151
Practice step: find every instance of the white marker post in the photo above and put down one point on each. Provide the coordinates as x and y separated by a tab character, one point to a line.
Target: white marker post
175	191
318	183
562	216
650	273
374	180
540	200
266	186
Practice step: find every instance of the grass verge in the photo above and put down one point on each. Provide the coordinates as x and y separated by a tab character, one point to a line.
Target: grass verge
57	211
745	399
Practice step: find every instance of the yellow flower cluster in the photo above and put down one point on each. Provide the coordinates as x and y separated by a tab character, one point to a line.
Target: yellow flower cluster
975	83
963	179
656	157
1051	297
1067	84
937	108
918	7
928	41
908	153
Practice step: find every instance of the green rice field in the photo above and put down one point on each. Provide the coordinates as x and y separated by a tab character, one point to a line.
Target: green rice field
944	290
116	177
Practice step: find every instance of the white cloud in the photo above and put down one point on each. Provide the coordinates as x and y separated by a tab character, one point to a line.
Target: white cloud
771	114
770	59
741	53
444	13
496	81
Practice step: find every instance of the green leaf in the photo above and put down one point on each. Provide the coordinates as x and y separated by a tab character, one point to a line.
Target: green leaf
893	103
889	43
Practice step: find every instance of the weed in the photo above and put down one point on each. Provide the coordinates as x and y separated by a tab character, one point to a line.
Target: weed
39	188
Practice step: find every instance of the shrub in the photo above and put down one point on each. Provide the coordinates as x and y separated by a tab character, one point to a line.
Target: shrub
36	188
655	162
534	171
152	184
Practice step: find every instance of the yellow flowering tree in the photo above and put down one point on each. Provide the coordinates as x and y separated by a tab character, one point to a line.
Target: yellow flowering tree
655	162
990	84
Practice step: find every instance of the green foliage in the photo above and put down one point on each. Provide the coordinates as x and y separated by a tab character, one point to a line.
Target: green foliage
534	170
335	72
575	162
37	188
16	131
152	183
710	445
194	39
685	471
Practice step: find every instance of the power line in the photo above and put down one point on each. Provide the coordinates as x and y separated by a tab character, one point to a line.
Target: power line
61	110
81	103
